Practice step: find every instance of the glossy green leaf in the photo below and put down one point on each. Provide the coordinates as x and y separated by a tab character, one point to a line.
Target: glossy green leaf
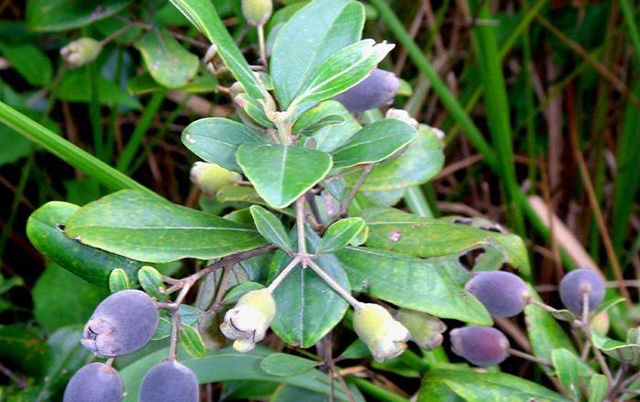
357	350
374	143
217	140
325	114
282	364
422	160
168	62
282	173
192	342
60	15
205	82
254	110
224	365
339	72
44	229
164	329
423	285
393	229
270	227
204	16
235	293
340	234
307	307
626	352
311	36
473	386
29	61
118	280
137	225
598	388
61	298
545	333
151	282
189	315
572	372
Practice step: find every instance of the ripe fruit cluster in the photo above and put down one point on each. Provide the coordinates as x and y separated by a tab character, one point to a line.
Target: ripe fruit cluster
123	323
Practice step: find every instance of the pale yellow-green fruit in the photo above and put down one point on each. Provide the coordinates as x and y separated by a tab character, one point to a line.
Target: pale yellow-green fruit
426	330
248	322
600	323
384	336
257	12
210	177
81	52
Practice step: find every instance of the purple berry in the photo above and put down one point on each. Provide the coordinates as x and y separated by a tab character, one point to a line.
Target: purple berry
575	284
482	346
169	382
378	89
121	324
500	292
95	382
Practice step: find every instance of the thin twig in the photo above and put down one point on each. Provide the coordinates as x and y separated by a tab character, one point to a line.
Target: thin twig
175	323
334	285
282	275
345	204
527	356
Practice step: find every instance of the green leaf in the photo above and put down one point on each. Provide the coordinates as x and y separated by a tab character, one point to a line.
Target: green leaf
189	315
598	388
224	365
270	227
192	342
13	146
307	307
254	109
340	234
422	160
235	293
205	82
204	16
25	349
473	386
625	352
44	229
118	280
357	350
151	282
374	143
60	15
170	64
312	35
545	333
29	61
393	229
61	298
321	121
284	365
74	87
217	140
339	72
164	329
140	226
423	285
282	173
572	372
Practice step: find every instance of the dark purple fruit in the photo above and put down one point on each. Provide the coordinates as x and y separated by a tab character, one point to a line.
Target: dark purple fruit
378	89
169	382
575	284
500	292
95	382
123	323
482	346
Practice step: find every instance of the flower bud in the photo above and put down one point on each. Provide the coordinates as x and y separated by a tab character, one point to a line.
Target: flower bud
378	89
384	336
426	330
257	12
601	323
482	346
403	116
209	177
80	52
248	322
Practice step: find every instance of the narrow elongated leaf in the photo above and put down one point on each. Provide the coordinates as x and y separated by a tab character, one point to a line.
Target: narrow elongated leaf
313	34
308	307
136	225
170	64
572	372
270	227
340	72
392	229
151	281
423	285
204	16
374	143
118	280
45	231
473	386
224	365
340	234
598	388
282	173
282	364
60	15
217	140
422	160
192	342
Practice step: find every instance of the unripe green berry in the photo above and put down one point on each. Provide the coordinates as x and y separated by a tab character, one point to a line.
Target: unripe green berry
95	382
426	330
210	177
257	12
